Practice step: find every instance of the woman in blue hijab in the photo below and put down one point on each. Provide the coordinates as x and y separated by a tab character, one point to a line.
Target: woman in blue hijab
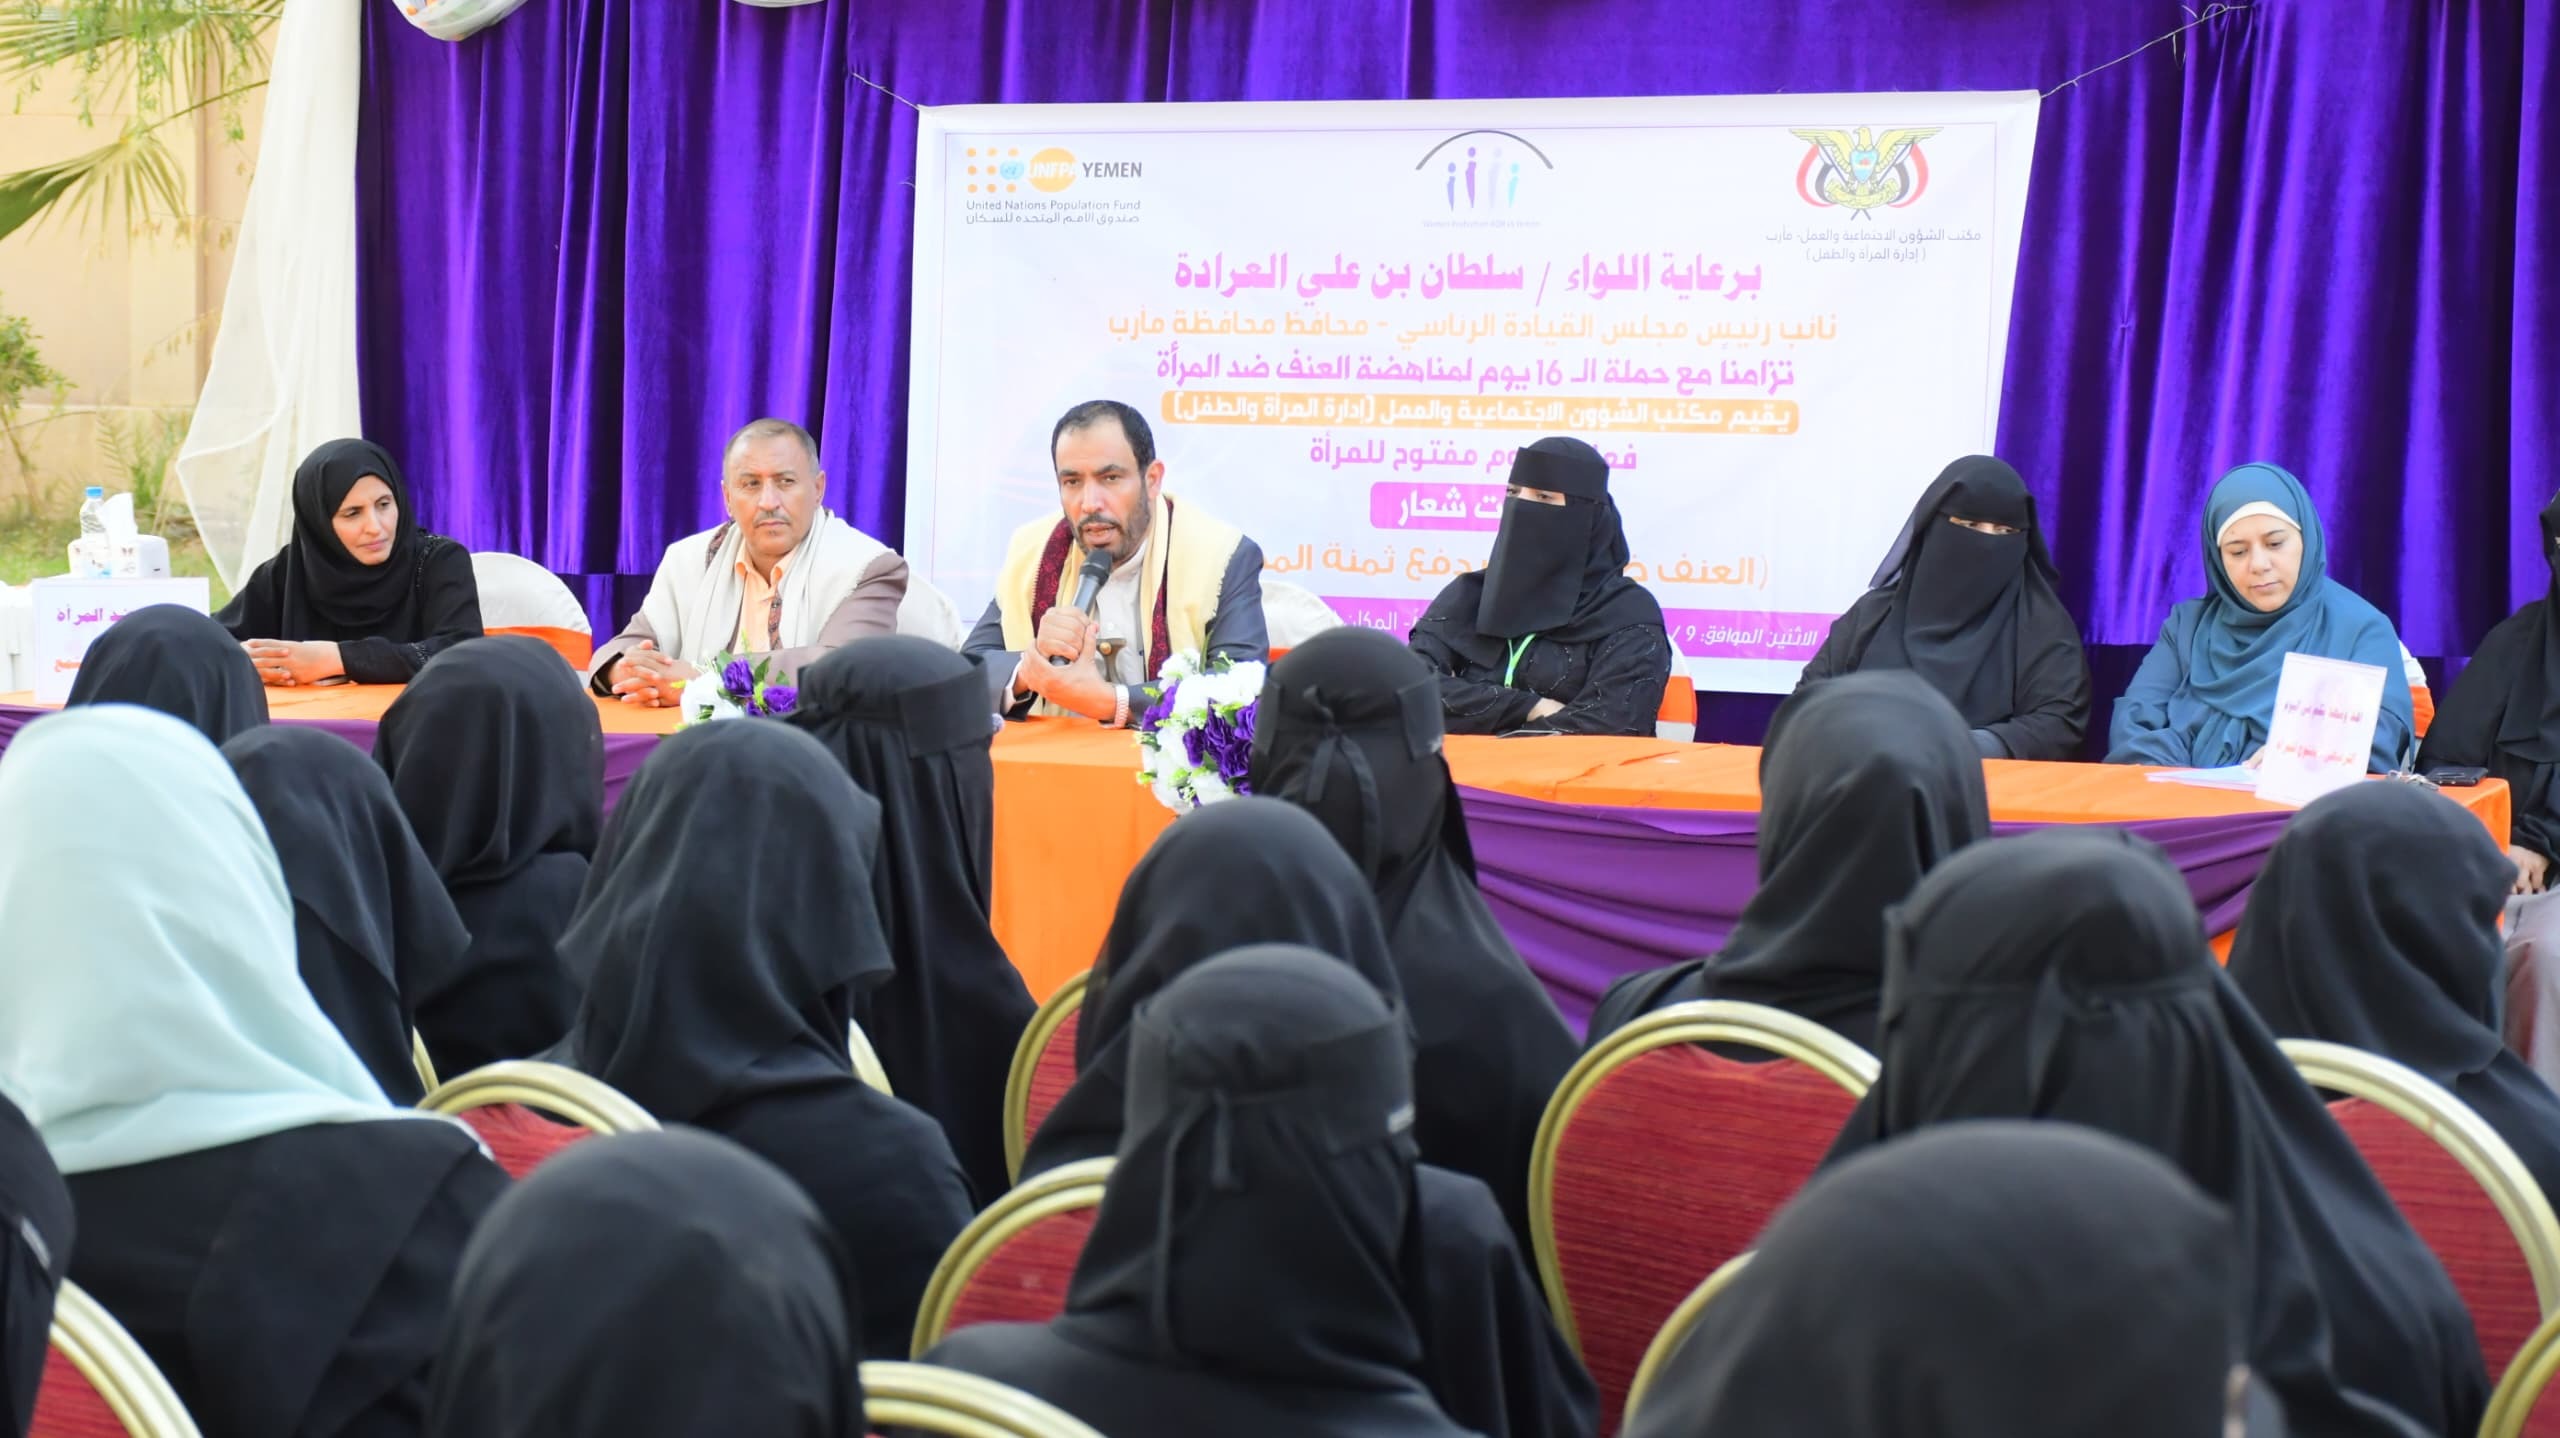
2207	690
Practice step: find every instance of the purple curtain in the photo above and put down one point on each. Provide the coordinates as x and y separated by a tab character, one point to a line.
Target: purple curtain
599	236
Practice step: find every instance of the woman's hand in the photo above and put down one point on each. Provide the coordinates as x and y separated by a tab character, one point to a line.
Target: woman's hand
2533	871
1543	708
287	663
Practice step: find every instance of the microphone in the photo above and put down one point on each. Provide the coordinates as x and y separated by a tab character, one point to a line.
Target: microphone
1089	581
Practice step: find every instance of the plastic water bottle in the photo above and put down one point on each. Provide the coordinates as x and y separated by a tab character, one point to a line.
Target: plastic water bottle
97	561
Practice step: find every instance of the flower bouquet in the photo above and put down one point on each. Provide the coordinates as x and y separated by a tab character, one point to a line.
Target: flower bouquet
1195	743
733	688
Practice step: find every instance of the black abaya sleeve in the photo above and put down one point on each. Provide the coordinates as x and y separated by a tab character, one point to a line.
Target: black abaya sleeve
1846	644
2053	705
1469	706
1491	1352
1623	693
448	613
257	611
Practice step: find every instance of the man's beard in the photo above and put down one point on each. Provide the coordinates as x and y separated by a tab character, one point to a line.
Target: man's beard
1123	541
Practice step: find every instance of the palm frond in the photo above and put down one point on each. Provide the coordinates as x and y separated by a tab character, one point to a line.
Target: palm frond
154	52
134	174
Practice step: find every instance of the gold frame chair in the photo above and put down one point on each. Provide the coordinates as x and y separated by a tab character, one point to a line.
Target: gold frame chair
1061	1190
1708	1021
2528	1374
866	1059
2418	1101
418	1057
924	1399
1052	1016
124	1377
1674	1329
588	1102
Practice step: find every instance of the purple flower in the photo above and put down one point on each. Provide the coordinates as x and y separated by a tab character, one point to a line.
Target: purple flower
1230	746
781	699
1159	711
1193	742
739	678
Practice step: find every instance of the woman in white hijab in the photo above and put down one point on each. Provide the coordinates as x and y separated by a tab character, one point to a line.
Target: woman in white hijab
277	1235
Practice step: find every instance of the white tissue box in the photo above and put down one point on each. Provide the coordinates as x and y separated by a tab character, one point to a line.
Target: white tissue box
141	556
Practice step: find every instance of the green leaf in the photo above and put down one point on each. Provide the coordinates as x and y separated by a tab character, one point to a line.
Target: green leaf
134	173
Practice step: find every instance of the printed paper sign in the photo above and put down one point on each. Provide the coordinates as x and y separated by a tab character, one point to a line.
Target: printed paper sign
70	614
2321	738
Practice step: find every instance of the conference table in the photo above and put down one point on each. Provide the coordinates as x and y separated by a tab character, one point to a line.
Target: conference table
1598	855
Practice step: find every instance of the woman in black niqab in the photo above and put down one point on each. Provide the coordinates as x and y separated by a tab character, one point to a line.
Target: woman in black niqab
908	720
387	616
371	921
1974	612
720	963
497	757
170	658
1551	634
651	1285
1866	783
2064	975
1349	729
1241	1277
35	1256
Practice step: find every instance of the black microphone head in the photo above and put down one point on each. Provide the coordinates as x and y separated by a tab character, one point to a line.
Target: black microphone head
1097	567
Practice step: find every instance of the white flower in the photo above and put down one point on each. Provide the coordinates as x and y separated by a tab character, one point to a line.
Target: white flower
1178	666
704	700
1208	788
1170	795
1190	703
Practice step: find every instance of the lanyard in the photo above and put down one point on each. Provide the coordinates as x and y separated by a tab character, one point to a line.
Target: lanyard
1513	667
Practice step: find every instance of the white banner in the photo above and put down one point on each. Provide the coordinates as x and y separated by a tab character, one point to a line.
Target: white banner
1778	315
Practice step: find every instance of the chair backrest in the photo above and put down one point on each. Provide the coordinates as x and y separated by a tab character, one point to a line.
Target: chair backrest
2524	1406
518	596
504	1104
866	1059
1013	1262
1044	1067
1294	614
1677	719
1676	1328
917	1398
2458	1184
928	613
98	1383
1659	1161
420	1060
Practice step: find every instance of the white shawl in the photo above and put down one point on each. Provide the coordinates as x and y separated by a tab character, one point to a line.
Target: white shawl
693	606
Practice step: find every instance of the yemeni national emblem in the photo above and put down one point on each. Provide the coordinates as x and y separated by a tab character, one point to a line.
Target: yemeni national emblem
1865	171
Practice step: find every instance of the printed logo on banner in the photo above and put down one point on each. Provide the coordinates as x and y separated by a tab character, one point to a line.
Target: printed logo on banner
1049	170
1482	172
1864	171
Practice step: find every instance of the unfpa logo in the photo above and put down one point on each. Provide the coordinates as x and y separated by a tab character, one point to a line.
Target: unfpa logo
1479	172
1000	172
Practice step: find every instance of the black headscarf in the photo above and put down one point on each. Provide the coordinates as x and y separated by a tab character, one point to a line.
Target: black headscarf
497	756
651	1284
371	921
1557	571
2064	975
1241	1277
320	585
718	958
35	1255
170	658
1969	609
1242	872
1981	1280
1349	729
2375	925
1867	783
2504	712
908	719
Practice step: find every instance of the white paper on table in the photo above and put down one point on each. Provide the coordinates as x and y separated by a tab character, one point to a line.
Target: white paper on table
2237	776
2321	738
70	614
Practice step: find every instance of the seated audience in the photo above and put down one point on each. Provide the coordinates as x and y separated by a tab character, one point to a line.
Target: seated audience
1981	1280
278	1236
909	720
653	1285
2064	976
35	1256
781	579
2375	925
1258	871
359	592
498	760
721	957
1965	600
372	923
2504	716
1349	730
2207	691
1867	783
1551	634
170	658
1270	1115
1181	582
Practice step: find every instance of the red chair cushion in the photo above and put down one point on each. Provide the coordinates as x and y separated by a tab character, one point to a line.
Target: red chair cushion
1051	1075
2454	1214
1669	1168
1025	1280
2542	1420
67	1407
518	1138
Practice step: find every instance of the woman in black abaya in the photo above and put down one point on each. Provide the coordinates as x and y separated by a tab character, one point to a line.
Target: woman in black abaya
1551	634
170	658
1349	729
908	719
2065	976
721	963
1965	600
1867	782
497	757
35	1254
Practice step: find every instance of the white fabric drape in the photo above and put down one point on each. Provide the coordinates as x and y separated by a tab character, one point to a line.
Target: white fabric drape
283	376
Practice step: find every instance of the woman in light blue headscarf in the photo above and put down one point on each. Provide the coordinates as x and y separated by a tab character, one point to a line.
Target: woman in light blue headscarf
278	1236
2207	691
